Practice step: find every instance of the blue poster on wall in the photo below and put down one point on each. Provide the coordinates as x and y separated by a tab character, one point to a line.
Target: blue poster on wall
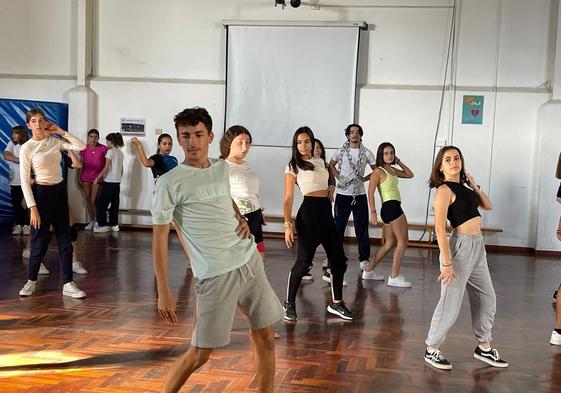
472	112
12	113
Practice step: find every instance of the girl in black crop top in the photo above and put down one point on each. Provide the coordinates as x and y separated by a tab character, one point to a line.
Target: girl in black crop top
463	262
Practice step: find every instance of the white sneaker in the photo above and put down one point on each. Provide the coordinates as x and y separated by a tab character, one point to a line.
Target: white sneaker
26	229
26	253
103	229
43	269
115	228
555	338
398	281
90	226
28	288
17	230
78	268
363	265
72	290
372	276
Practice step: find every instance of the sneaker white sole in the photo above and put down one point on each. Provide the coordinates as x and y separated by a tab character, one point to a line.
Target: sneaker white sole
74	295
399	285
489	361
335	312
439	366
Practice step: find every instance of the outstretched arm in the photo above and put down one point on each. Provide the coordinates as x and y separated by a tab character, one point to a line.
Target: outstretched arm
166	300
148	163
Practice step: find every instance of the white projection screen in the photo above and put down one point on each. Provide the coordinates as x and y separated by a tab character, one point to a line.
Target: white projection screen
279	78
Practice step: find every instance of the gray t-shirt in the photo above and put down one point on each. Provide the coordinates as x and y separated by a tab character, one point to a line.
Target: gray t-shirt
347	170
199	200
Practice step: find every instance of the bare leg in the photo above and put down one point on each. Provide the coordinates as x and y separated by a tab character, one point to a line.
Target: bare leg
89	206
558	309
264	353
399	228
186	365
382	251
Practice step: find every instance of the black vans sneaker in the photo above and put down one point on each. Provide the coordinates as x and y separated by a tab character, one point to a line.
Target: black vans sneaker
341	311
290	311
437	359
491	357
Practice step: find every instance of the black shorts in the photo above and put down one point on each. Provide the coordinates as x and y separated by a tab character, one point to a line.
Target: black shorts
255	222
559	191
391	210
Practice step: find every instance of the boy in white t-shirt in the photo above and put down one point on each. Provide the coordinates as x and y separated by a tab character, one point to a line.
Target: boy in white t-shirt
348	166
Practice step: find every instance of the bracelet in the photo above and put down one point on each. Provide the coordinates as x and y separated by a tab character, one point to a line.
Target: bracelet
287	225
443	265
241	218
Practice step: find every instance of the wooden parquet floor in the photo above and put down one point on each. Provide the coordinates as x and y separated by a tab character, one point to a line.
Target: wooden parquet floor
114	340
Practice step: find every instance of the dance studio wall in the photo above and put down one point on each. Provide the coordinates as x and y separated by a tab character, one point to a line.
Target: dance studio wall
152	59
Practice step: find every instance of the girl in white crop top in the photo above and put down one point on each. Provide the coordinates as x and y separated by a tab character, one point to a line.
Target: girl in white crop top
314	223
244	183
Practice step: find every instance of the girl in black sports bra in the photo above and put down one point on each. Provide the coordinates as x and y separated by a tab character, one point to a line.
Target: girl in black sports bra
463	261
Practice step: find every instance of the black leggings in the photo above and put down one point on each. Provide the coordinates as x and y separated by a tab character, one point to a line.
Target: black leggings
52	204
315	225
109	195
21	215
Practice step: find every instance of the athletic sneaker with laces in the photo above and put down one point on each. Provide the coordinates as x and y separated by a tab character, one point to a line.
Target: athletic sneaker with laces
72	290
17	230
308	277
43	269
490	357
327	278
372	275
436	359
341	311
115	228
398	281
363	265
78	268
290	311
28	288
555	338
90	226
103	229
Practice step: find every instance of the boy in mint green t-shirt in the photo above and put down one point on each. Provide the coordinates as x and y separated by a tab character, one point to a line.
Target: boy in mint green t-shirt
224	257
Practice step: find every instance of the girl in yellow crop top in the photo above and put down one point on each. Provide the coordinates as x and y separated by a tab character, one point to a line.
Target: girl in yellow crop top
384	178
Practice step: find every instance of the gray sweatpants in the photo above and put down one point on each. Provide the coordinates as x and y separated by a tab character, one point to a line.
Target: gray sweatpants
470	267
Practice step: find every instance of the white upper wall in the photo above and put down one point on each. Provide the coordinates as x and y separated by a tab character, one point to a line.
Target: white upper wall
185	39
37	37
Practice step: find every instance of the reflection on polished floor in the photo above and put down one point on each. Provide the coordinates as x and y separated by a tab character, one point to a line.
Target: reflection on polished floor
114	341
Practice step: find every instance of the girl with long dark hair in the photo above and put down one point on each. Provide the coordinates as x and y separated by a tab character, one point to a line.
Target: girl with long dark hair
463	260
314	224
